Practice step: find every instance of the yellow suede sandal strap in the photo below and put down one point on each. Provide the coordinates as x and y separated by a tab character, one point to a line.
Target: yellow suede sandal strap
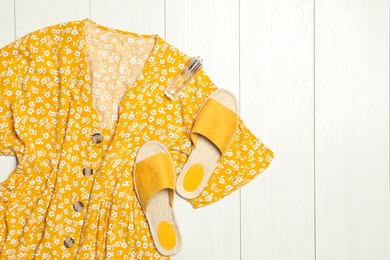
214	130
152	175
217	123
154	183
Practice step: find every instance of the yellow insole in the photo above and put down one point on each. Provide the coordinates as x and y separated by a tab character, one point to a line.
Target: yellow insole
166	235
193	177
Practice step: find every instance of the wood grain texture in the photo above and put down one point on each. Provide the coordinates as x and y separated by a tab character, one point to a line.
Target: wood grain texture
352	130
32	15
276	47
7	165
209	29
140	16
7	24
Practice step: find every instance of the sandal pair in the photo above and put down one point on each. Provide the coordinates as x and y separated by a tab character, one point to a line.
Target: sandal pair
154	176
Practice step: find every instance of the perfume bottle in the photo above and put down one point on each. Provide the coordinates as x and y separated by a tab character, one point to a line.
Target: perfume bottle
184	76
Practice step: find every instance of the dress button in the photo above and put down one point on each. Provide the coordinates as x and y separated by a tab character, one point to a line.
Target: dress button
87	171
69	242
96	138
78	206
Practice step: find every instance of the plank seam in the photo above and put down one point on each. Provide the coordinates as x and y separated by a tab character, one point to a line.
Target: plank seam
165	19
239	102
14	19
314	134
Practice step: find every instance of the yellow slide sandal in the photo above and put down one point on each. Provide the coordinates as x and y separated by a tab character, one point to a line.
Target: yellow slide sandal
154	183
213	132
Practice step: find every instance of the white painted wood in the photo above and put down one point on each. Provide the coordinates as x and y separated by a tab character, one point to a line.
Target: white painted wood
32	15
277	209
352	130
209	29
6	22
139	16
7	165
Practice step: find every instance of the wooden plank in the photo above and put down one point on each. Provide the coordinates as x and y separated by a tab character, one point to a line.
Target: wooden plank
276	47
352	129
7	25
145	17
32	15
209	29
7	165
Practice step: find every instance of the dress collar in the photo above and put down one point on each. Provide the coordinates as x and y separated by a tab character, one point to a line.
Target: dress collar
82	87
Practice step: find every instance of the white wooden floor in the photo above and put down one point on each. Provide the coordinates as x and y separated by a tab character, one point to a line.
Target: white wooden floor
312	77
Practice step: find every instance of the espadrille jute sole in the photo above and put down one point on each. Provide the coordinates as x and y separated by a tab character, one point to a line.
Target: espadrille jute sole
154	183
212	134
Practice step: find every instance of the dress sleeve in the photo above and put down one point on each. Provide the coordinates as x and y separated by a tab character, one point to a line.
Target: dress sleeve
245	158
12	66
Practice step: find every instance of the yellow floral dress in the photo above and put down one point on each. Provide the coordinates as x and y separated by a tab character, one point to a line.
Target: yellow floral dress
77	100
